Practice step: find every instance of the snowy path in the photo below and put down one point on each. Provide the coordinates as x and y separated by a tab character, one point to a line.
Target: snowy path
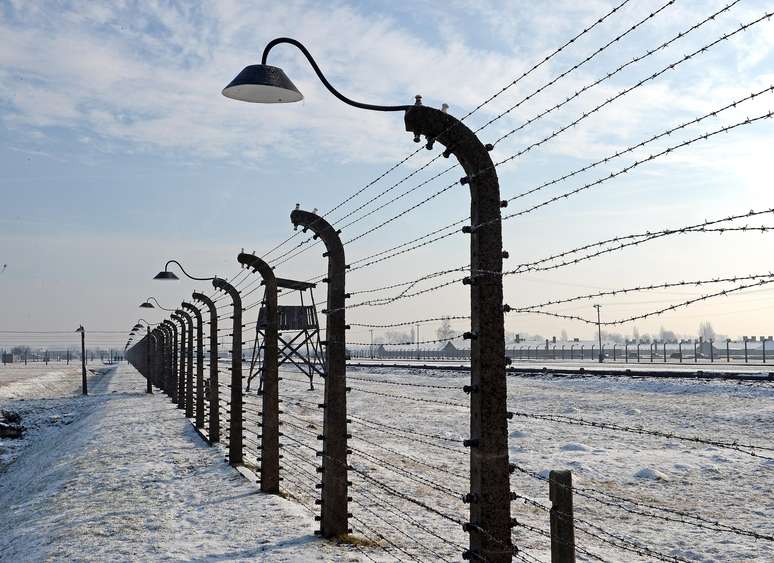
128	479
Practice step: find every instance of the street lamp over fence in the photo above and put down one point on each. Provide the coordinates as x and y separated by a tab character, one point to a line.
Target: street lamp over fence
490	523
148	305
195	313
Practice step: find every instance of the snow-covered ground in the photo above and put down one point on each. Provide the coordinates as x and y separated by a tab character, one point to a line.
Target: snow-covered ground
125	476
412	444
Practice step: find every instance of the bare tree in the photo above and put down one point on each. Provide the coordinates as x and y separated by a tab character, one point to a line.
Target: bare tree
665	335
445	331
395	336
706	330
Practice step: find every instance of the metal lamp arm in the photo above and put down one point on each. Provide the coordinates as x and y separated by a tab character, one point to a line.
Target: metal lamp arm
159	304
179	265
324	80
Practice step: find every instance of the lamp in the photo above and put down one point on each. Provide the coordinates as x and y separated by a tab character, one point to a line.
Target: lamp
148	305
165	274
265	84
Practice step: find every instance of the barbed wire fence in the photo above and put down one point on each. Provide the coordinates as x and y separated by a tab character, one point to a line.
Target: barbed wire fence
422	468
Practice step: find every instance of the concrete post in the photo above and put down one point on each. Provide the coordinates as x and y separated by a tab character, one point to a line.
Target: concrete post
269	377
562	525
84	385
170	359
334	516
235	420
162	356
158	337
180	359
490	523
213	398
188	386
148	354
199	403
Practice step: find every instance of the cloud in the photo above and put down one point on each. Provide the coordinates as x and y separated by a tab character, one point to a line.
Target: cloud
128	77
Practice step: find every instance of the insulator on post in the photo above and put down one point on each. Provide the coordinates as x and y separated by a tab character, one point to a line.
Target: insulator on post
508	361
472	443
430	143
505	255
504	203
467	229
469	336
464	180
489	146
506	308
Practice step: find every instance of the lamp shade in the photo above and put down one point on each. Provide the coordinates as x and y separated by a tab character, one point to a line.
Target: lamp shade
165	275
263	84
146	305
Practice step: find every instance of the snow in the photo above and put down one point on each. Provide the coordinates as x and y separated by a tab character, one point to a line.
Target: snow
575	447
127	478
652	474
714	483
121	475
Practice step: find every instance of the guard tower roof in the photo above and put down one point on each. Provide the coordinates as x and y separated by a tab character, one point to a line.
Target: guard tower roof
294	284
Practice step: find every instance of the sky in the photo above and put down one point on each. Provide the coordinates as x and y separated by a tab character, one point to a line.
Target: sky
118	152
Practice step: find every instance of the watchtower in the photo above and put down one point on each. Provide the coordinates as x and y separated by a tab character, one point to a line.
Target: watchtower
299	335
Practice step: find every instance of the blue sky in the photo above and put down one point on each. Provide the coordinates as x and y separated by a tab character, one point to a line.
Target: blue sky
117	150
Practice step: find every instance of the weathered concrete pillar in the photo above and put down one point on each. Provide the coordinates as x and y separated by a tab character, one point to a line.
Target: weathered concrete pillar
181	360
490	524
189	326
334	513
235	420
199	400
213	396
269	377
